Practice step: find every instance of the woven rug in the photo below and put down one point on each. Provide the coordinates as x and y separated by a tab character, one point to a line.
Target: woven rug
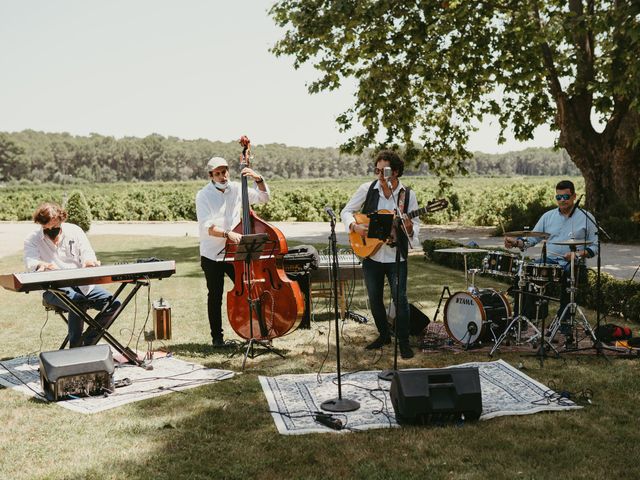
169	374
293	399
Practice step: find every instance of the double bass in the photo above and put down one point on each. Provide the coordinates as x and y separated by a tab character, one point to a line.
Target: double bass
264	303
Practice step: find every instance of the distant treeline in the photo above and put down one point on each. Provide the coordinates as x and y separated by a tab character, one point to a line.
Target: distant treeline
31	156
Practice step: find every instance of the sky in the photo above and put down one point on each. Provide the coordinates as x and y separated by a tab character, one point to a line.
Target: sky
189	69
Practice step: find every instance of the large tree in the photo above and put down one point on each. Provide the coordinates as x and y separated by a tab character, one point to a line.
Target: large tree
432	70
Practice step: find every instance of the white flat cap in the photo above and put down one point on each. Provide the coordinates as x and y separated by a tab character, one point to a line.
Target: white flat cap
216	162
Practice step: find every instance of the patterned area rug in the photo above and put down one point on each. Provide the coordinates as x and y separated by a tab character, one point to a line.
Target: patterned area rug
168	375
294	399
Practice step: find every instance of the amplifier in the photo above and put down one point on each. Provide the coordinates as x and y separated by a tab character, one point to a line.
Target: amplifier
79	371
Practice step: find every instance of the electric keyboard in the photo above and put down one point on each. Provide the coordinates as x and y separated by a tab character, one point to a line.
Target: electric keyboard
73	277
349	267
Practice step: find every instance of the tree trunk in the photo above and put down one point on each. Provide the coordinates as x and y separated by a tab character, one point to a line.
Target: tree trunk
608	161
611	180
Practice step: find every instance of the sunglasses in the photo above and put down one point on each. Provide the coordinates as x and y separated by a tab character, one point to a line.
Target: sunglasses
378	171
564	196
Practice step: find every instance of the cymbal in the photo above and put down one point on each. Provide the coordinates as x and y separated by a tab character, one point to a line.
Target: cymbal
461	250
571	243
526	233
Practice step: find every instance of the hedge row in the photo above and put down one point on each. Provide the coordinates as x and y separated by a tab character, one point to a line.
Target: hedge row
507	203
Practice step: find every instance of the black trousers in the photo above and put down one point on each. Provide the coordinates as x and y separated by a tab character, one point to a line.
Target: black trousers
214	273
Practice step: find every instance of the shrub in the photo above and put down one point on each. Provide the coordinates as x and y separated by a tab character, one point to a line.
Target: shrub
78	210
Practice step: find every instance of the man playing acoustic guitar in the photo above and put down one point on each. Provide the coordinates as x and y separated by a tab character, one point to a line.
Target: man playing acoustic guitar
382	194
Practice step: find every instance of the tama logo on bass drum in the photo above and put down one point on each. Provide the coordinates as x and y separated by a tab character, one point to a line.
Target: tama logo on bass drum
464	301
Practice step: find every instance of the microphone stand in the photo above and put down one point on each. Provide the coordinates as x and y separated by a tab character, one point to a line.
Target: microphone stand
598	343
388	374
337	404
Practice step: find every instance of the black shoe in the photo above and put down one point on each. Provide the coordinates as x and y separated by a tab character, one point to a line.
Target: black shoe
405	351
220	342
378	343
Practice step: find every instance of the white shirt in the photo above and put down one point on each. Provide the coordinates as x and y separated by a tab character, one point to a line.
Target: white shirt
385	253
224	210
71	251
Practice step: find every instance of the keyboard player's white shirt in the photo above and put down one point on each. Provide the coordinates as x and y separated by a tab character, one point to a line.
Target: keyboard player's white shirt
72	250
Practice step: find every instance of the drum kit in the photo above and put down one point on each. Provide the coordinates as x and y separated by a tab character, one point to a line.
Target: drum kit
479	315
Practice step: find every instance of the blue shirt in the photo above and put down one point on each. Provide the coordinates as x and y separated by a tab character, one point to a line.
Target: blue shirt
561	228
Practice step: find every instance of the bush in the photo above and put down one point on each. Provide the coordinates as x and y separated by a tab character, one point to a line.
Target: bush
621	229
474	260
78	210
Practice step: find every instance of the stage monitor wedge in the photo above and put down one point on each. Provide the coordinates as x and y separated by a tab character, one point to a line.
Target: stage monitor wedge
79	371
436	395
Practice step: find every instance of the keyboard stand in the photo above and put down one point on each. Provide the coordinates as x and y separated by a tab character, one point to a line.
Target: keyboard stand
129	354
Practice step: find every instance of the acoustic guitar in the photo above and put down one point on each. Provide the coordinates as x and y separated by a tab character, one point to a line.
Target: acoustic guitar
365	247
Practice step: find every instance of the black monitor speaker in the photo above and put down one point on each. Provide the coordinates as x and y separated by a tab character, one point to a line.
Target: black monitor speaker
435	395
418	321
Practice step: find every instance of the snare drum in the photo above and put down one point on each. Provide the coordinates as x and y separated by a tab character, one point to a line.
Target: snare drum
500	263
468	317
541	273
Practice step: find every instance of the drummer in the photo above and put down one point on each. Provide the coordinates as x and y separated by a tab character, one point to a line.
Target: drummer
567	222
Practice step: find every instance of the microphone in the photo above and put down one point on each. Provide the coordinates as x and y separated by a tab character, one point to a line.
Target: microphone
387	176
544	252
330	212
575	206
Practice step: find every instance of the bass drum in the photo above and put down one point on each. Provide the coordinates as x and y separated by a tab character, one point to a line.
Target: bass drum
470	317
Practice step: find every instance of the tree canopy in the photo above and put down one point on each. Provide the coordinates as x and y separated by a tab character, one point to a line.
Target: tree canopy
429	71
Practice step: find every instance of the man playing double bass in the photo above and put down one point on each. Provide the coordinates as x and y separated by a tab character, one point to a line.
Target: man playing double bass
381	194
219	209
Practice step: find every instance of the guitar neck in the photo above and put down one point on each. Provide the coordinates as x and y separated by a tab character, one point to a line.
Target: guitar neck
432	207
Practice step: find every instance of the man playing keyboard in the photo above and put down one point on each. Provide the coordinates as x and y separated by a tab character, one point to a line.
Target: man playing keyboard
60	245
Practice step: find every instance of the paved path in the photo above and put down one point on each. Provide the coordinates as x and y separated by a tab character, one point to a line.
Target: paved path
620	261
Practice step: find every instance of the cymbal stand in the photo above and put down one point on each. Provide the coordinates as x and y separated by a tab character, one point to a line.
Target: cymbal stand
472	288
541	353
466	272
520	316
572	309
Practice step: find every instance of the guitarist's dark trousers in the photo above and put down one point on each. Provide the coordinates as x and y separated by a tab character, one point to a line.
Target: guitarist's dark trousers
376	274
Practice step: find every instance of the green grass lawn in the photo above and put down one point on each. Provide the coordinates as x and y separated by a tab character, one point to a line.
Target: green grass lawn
225	431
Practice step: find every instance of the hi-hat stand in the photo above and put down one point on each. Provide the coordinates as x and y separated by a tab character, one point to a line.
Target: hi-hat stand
545	343
520	317
572	310
338	404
